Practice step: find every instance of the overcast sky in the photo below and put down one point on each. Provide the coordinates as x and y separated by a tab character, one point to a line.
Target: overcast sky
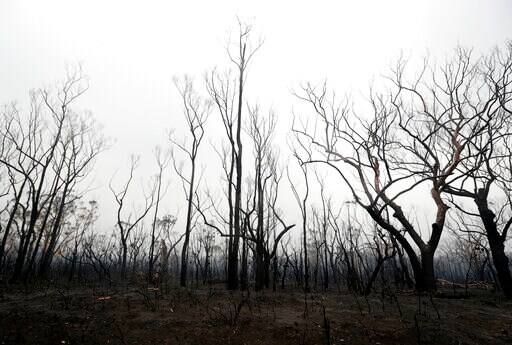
131	49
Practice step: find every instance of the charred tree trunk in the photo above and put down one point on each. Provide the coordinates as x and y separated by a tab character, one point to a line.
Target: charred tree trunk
184	249
425	276
10	222
232	283
497	246
124	255
260	267
244	274
23	247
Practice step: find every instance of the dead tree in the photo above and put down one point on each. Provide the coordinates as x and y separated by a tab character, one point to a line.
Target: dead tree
413	135
196	111
84	219
487	164
302	202
46	153
323	227
274	212
170	240
162	160
81	143
261	131
227	92
264	224
125	227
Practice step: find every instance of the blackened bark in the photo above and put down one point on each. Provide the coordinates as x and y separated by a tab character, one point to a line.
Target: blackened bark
497	246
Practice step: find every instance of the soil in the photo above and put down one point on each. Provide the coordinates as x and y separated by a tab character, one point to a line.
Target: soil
136	314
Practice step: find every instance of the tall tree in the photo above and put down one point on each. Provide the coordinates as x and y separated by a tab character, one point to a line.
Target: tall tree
413	135
487	164
228	96
265	189
162	160
302	202
196	111
81	143
46	154
261	131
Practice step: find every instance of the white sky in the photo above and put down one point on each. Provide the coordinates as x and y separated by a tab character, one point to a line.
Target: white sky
131	50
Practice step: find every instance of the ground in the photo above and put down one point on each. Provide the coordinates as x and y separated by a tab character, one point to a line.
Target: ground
136	314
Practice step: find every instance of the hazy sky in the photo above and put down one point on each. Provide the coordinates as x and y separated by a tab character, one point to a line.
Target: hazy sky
131	49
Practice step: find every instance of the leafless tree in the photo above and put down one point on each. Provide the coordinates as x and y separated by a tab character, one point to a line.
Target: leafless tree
99	254
322	224
227	93
263	218
47	153
487	164
413	135
467	257
83	220
302	202
261	131
162	160
81	143
126	226
196	111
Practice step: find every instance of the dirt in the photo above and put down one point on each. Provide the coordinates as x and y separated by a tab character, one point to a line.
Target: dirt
138	315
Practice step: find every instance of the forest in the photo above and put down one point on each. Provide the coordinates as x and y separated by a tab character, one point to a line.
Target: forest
379	219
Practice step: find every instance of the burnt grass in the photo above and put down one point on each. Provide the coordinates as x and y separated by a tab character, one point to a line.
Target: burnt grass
138	314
